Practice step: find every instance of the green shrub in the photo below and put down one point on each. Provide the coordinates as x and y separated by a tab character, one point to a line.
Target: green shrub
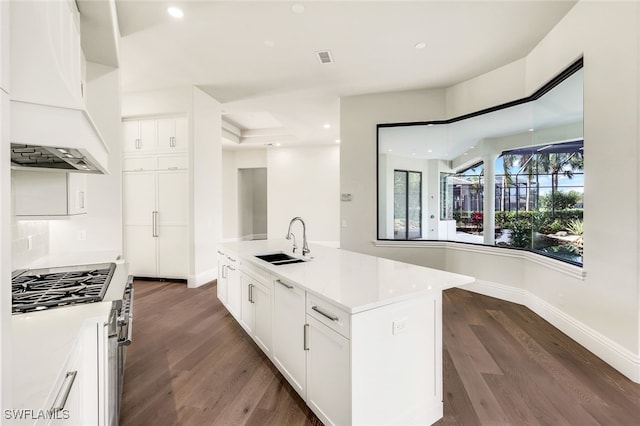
575	226
560	200
521	234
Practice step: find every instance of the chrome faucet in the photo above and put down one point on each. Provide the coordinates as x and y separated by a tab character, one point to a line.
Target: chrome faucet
305	247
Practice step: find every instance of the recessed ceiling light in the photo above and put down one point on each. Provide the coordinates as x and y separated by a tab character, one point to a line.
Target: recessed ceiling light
337	140
531	130
390	150
176	12
466	153
413	153
269	43
297	8
472	147
421	45
327	126
430	150
278	144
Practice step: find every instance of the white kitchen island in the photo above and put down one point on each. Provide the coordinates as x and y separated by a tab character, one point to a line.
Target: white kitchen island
358	337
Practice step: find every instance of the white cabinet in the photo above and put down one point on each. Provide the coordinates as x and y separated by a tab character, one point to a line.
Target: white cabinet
139	136
46	57
222	277
289	327
156	223
49	193
83	380
256	310
155	135
172	134
328	373
234	289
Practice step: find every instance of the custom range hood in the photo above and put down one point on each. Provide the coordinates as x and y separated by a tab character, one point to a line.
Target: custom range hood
55	138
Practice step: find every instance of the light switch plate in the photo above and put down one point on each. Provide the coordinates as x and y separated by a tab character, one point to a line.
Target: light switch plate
400	326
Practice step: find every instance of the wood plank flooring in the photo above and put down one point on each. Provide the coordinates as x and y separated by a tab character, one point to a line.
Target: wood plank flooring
190	363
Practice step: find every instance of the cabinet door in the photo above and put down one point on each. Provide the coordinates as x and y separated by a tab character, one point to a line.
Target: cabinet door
261	297
4	46
234	289
222	277
247	310
40	193
140	250
181	137
328	374
172	134
288	331
147	139
131	134
173	251
139	198
173	198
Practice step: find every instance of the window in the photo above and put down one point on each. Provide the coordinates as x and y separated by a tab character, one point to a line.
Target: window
539	199
407	205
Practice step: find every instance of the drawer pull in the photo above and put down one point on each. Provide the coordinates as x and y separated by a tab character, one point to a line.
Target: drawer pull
329	315
65	390
290	287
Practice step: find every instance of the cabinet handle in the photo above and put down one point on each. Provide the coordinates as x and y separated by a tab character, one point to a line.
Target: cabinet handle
81	196
290	287
220	253
224	267
231	267
154	219
231	259
63	393
329	315
305	337
251	293
138	143
172	142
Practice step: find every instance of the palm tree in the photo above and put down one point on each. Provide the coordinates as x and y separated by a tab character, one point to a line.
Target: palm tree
560	163
526	165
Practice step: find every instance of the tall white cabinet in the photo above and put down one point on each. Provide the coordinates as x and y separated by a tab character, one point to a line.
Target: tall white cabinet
156	198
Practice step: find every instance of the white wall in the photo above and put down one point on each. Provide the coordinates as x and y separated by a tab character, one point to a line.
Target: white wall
601	311
359	116
206	128
102	225
305	182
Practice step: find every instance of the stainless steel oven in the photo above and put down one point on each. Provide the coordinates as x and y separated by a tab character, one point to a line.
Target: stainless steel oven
120	329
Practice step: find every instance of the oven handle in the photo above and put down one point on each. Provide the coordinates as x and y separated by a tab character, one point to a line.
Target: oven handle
128	315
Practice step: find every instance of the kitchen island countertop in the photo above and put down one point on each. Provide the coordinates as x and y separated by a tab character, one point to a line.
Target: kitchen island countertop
354	281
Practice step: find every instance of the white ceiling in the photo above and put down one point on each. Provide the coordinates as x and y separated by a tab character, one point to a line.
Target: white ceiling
259	58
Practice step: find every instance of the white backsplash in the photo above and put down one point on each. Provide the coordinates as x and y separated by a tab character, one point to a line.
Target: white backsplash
21	232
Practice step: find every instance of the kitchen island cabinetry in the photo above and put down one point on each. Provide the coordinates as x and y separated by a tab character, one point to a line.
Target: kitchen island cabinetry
53	194
289	333
358	337
256	307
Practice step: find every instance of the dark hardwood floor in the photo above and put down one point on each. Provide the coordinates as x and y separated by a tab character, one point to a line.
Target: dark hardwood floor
190	363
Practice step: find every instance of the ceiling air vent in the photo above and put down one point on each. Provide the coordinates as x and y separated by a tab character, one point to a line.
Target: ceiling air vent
324	57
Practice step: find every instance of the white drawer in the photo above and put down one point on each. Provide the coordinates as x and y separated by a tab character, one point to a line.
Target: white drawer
329	314
256	273
134	164
173	162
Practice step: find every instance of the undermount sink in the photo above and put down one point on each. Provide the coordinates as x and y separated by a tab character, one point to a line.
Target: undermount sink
279	258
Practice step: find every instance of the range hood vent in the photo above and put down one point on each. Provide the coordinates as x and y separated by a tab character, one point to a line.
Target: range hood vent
55	138
41	157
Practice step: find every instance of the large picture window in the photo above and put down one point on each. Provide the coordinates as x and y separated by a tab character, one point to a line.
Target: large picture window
510	176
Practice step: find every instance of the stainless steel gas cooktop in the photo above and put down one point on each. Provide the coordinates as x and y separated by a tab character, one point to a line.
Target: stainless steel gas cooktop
38	289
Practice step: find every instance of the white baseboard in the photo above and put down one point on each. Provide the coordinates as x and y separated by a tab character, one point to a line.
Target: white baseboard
194	281
619	357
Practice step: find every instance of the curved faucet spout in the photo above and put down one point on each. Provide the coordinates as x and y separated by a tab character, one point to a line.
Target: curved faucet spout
305	247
